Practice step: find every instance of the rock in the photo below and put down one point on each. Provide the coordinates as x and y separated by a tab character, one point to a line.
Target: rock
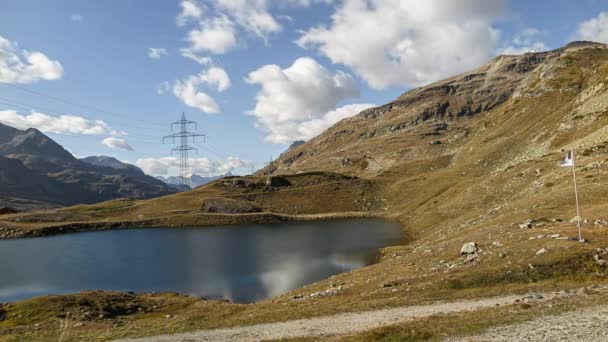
471	258
554	236
526	225
600	222
493	211
497	244
276	181
469	248
599	260
574	219
228	206
541	251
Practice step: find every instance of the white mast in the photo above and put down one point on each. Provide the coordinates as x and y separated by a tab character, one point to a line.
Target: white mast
578	211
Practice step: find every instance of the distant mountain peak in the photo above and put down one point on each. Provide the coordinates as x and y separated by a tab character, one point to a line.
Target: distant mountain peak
196	180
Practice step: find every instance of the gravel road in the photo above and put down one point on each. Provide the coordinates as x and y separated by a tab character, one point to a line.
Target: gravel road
342	323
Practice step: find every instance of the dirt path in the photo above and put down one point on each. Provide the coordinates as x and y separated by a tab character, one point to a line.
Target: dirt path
582	325
342	323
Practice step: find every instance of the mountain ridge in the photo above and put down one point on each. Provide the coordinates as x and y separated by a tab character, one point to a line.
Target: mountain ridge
36	168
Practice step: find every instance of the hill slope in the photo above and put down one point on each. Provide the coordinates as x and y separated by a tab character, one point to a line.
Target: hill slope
34	167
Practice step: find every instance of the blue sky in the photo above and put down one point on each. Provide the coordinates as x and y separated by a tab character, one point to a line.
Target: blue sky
273	71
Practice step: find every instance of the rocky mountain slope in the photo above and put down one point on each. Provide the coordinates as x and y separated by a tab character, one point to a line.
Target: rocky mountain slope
34	167
489	138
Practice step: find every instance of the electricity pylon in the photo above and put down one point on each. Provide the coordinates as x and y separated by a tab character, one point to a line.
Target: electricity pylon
184	149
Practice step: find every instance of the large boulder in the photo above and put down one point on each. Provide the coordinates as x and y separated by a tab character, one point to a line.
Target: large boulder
469	248
277	181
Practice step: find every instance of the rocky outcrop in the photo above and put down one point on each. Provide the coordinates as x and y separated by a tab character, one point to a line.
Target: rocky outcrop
228	206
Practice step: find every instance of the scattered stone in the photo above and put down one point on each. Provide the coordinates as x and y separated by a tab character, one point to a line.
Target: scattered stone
541	251
493	211
600	222
168	316
390	284
599	255
554	236
497	244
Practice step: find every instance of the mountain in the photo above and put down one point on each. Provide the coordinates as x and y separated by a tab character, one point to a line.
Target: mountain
196	180
113	163
33	167
444	155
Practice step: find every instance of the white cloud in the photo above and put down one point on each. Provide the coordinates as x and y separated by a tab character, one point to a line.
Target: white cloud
76	18
408	42
63	124
156	53
221	25
25	67
595	29
191	10
200	166
526	41
216	36
215	77
294	102
189	93
252	15
117	143
202	60
311	128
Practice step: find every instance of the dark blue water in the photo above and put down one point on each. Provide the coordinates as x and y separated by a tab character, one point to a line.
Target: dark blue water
241	263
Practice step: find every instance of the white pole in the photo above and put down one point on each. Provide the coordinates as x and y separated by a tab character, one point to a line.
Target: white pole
578	211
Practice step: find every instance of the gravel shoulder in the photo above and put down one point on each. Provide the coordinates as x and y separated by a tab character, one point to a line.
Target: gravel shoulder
590	324
348	323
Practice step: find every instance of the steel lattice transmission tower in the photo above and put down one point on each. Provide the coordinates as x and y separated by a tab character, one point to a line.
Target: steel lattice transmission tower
183	148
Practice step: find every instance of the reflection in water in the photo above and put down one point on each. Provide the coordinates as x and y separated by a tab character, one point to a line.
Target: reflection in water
243	263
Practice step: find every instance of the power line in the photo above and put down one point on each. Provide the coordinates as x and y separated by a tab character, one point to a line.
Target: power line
72	103
22	106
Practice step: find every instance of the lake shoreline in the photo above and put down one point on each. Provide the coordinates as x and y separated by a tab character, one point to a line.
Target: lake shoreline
18	231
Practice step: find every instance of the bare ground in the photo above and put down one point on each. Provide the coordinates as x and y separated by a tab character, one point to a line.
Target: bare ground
352	323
